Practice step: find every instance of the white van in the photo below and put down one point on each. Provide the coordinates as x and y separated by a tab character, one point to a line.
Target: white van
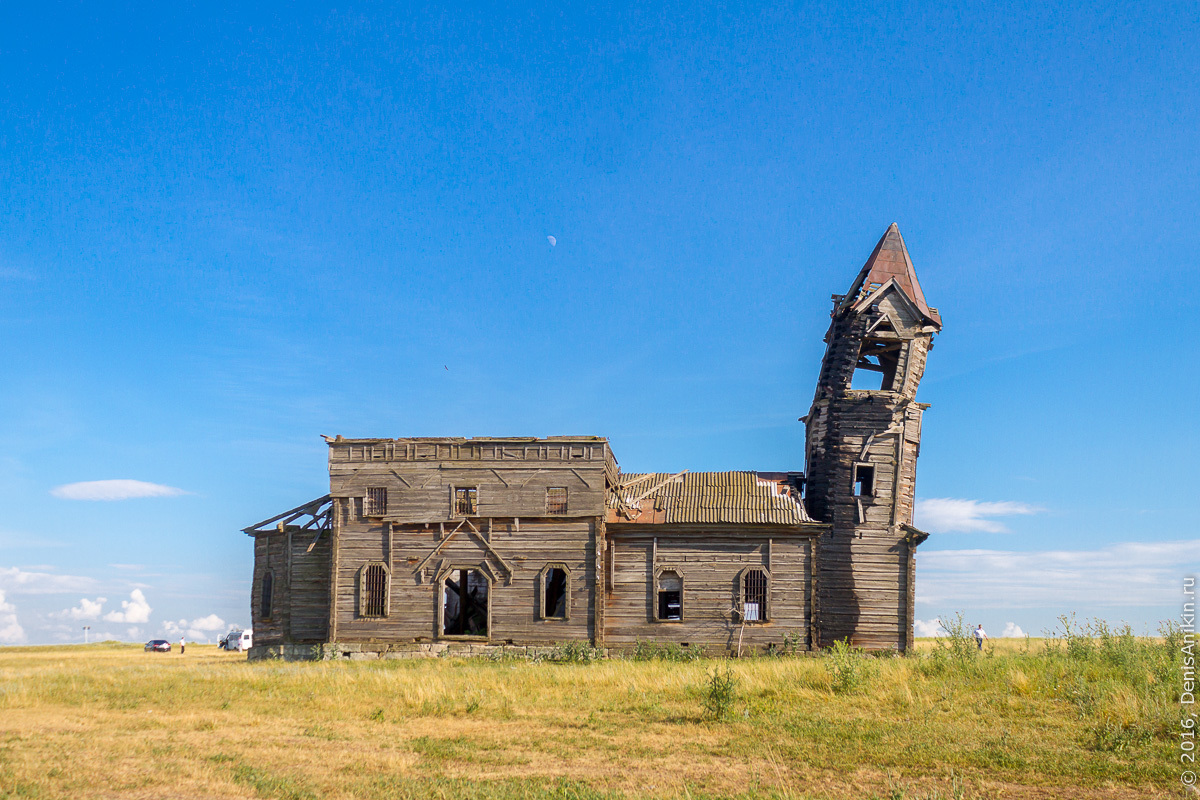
238	640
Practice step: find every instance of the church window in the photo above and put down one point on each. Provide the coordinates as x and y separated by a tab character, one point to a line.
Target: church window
668	590
864	480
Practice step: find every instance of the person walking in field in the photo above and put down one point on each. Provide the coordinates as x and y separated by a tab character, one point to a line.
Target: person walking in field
980	636
182	643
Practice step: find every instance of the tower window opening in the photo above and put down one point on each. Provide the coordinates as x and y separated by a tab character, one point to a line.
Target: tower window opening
878	362
864	480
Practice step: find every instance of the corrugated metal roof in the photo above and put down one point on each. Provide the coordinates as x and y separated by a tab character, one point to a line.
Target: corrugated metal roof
706	497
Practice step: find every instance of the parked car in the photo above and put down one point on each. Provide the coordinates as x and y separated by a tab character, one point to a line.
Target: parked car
158	646
237	640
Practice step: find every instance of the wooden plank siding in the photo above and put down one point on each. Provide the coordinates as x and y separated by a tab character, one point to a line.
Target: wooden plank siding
710	560
414	612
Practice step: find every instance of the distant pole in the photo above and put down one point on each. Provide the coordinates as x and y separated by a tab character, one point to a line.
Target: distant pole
86	628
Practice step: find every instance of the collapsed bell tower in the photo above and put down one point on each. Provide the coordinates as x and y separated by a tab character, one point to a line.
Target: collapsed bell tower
863	439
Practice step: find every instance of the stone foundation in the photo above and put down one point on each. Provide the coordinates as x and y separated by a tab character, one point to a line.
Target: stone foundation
358	651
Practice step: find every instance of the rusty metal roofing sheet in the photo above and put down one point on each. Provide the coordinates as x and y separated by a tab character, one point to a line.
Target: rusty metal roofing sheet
706	497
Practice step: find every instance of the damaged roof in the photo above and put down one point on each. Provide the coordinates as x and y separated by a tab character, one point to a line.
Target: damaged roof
706	497
890	261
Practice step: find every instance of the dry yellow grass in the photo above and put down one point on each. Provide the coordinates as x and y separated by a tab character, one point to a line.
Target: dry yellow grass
112	721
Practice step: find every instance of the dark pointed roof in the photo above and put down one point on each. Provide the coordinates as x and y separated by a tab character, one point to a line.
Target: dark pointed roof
889	261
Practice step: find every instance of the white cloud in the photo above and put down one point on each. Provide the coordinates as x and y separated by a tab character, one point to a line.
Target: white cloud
199	628
948	515
137	610
11	631
134	632
1121	575
19	581
113	490
1012	631
928	627
88	609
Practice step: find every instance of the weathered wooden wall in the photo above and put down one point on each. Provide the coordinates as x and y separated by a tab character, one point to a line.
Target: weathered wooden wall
415	611
300	606
710	560
866	571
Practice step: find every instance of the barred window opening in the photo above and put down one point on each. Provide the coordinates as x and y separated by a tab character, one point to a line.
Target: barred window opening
465	501
376	501
556	500
374	600
754	596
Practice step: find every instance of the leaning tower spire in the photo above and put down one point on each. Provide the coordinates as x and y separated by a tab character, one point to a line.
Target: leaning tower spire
863	438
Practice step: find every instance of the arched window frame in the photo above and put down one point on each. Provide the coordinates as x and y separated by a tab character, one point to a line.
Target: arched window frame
739	600
363	591
266	595
541	593
658	573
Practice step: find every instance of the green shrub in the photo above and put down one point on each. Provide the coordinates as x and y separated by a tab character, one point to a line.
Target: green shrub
652	651
574	653
720	693
848	667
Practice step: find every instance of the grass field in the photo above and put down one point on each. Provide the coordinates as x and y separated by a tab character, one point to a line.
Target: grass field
1087	717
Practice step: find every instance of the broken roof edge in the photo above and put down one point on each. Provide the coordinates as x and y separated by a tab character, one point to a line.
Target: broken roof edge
339	439
915	535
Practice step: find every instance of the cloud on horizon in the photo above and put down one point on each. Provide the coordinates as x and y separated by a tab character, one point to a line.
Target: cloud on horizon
11	631
87	609
136	609
952	515
113	490
18	581
1123	575
200	628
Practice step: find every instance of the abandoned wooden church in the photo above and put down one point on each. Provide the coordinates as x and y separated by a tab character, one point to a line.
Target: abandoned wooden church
504	544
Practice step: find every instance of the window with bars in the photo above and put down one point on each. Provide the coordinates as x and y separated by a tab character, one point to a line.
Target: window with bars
267	595
556	500
465	501
754	595
373	591
375	502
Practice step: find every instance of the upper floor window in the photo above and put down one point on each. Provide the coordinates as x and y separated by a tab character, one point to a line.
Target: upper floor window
556	500
466	501
376	502
864	480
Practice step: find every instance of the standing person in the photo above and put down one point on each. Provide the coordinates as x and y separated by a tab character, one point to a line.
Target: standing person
182	643
980	636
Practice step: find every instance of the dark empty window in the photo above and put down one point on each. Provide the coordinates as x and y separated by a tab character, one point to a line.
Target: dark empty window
670	596
864	480
556	500
754	595
268	590
465	501
373	591
375	502
554	593
465	603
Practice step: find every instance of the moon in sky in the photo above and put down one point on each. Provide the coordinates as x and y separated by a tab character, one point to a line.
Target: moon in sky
552	240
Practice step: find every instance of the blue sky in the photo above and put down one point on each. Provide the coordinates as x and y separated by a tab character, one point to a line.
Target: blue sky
225	231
